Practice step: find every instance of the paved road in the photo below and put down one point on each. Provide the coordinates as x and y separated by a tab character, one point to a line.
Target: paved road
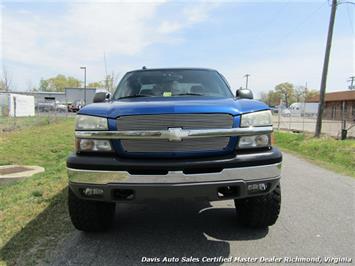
317	219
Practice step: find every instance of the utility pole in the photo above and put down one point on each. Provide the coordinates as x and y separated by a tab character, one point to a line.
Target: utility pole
325	69
84	68
351	83
246	76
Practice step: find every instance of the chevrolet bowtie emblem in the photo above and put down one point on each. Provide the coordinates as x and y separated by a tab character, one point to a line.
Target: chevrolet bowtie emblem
176	134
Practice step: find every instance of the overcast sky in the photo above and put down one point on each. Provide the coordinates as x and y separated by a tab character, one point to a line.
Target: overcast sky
275	41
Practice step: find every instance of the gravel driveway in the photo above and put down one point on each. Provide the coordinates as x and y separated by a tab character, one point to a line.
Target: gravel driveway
317	219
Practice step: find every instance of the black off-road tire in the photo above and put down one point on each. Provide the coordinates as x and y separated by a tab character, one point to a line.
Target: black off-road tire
90	216
260	211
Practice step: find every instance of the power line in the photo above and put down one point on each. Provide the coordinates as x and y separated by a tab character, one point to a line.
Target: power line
346	2
341	2
274	17
350	20
298	26
306	19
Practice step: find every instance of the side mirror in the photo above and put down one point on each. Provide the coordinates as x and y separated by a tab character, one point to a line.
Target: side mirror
244	94
101	97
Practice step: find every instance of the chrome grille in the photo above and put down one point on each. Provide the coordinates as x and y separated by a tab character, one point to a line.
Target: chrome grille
165	121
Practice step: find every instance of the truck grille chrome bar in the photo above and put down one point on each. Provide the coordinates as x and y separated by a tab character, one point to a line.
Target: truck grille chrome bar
174	134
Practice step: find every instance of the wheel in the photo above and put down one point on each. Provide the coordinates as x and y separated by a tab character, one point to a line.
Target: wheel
260	211
90	216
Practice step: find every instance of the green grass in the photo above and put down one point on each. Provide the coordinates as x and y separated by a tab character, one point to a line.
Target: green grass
337	155
33	213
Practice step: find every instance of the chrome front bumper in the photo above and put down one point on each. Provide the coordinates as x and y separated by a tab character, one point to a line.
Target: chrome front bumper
99	177
232	183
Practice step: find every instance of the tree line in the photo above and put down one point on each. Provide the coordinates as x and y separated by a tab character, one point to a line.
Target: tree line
59	82
287	94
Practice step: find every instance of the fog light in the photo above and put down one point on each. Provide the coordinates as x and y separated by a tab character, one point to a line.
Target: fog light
254	188
86	145
93	192
92	145
262	140
103	145
246	142
257	141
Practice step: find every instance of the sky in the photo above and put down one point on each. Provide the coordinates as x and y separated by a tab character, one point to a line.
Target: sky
273	41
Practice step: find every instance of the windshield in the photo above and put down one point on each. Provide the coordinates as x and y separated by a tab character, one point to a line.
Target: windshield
172	83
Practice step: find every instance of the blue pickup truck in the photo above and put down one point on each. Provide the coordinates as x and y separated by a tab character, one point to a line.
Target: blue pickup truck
173	133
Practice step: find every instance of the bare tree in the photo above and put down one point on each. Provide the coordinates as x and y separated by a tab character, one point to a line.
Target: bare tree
115	80
111	82
5	82
300	93
30	86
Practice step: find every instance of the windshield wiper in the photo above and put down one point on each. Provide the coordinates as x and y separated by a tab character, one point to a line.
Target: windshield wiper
189	93
133	96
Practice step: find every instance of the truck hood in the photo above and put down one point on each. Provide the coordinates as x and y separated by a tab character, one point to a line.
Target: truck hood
169	105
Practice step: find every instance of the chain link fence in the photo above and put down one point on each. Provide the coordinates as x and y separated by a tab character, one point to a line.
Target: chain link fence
308	124
12	123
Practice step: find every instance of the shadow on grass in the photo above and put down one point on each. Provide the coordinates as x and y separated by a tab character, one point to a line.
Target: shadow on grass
173	229
39	235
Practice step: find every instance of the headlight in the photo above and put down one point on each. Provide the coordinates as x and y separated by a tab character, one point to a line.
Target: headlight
257	119
90	145
86	122
258	141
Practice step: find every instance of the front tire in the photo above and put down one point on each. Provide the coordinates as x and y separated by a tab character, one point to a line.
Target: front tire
90	216
260	211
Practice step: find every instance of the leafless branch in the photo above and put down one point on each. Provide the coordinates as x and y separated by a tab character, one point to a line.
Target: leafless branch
5	81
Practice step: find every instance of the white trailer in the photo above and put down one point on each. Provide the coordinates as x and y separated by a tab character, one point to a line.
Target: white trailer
17	105
303	109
